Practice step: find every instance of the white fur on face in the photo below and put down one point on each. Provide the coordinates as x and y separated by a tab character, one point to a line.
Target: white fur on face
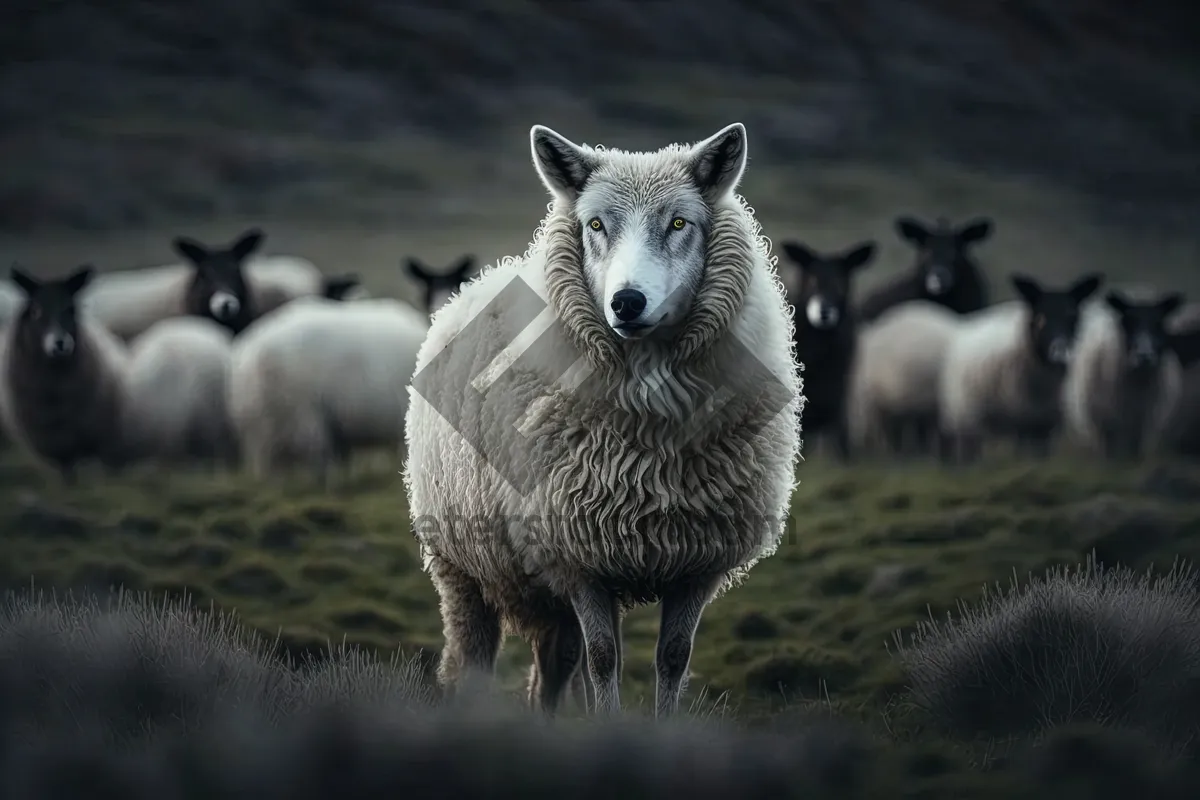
223	305
638	248
820	314
57	344
938	281
1060	351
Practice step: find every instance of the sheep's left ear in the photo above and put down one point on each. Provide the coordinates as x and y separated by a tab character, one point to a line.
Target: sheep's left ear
719	161
78	279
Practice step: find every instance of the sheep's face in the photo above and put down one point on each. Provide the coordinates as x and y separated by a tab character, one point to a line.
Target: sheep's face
1144	327
943	259
822	293
644	220
48	320
1054	315
439	287
218	289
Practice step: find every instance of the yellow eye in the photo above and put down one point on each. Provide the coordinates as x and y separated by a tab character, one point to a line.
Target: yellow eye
679	223
595	224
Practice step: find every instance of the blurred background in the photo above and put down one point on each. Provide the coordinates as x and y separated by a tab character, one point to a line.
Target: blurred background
359	132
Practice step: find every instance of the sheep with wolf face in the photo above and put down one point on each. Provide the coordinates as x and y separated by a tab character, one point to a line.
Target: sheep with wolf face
641	448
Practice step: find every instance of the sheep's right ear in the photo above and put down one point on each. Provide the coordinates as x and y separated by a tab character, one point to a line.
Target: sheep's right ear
465	265
190	249
1028	288
417	270
912	231
78	279
563	166
800	254
24	281
1117	302
1086	286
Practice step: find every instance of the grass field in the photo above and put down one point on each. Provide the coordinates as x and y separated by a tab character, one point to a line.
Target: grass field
870	551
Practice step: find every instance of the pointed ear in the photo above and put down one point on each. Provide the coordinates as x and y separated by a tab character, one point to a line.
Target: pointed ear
417	270
800	254
78	279
465	265
247	243
859	256
1170	304
563	166
719	162
190	249
338	286
24	281
974	231
1027	287
912	231
1117	302
1085	287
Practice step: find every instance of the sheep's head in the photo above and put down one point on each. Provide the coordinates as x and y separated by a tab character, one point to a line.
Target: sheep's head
336	287
1144	327
644	220
943	257
1054	315
219	289
822	294
49	316
440	286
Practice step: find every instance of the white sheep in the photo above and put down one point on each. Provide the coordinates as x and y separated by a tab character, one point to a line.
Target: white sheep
553	487
318	379
894	384
176	413
1004	370
1124	381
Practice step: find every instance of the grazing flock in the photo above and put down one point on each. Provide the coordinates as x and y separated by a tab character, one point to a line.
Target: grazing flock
656	272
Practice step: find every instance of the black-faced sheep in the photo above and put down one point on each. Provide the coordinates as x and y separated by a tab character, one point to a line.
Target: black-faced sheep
438	287
341	287
597	469
178	373
893	389
1004	370
63	377
944	271
1124	381
826	333
213	284
319	379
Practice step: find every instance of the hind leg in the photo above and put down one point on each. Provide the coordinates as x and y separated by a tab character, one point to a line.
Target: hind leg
557	653
471	626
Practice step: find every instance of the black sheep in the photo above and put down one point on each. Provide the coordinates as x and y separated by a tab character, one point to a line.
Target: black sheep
944	271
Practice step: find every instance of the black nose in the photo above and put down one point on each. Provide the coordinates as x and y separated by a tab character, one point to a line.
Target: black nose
628	304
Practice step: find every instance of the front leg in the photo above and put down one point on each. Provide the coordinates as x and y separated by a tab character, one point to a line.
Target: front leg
682	606
598	618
